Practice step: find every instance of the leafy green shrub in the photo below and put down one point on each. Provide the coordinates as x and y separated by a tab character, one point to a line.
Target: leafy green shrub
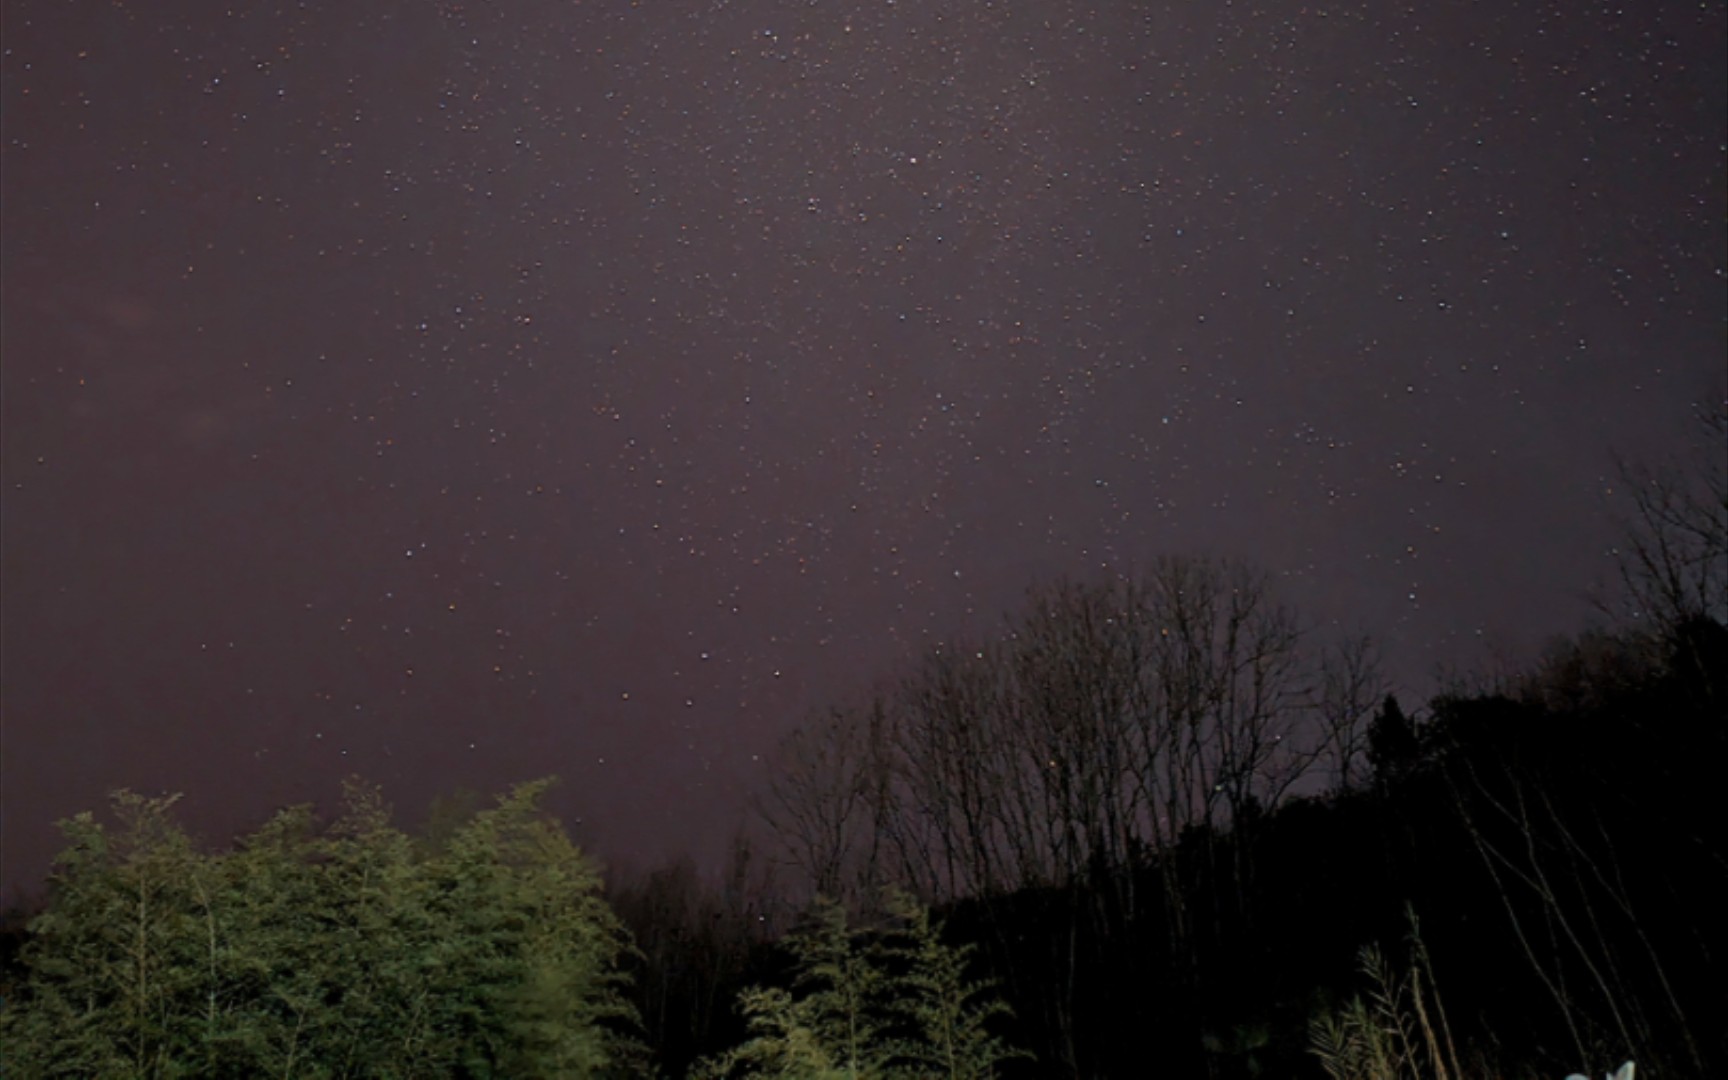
886	1004
308	953
1399	1032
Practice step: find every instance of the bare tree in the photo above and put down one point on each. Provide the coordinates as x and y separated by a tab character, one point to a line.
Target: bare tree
1351	687
1572	906
692	942
1105	719
1218	693
1073	665
1674	559
816	803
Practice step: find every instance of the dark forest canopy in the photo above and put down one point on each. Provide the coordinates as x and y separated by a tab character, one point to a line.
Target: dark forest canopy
1539	865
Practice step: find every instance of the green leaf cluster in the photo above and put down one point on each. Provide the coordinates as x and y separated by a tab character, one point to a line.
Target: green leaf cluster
891	1003
1399	1032
322	952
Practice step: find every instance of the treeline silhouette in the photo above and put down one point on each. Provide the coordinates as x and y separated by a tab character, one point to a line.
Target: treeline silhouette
1557	836
1156	825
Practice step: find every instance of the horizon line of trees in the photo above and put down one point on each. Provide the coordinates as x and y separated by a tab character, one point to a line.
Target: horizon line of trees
1165	817
483	947
1111	767
1107	718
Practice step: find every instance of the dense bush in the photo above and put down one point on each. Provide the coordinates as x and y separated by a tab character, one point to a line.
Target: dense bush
890	1003
309	952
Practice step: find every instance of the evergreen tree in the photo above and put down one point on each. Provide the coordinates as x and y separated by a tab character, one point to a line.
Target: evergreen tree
884	1005
831	1026
113	958
948	1014
1393	743
313	953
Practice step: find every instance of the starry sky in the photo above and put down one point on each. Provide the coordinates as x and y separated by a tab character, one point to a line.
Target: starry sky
458	393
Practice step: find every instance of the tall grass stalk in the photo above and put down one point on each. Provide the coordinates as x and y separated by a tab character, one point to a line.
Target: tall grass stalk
1399	1032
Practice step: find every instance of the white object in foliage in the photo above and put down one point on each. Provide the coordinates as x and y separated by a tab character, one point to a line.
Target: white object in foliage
1624	1072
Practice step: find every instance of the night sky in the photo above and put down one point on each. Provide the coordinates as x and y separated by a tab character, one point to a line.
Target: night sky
455	394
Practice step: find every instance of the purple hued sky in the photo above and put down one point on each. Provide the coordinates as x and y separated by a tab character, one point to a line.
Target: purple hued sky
458	393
